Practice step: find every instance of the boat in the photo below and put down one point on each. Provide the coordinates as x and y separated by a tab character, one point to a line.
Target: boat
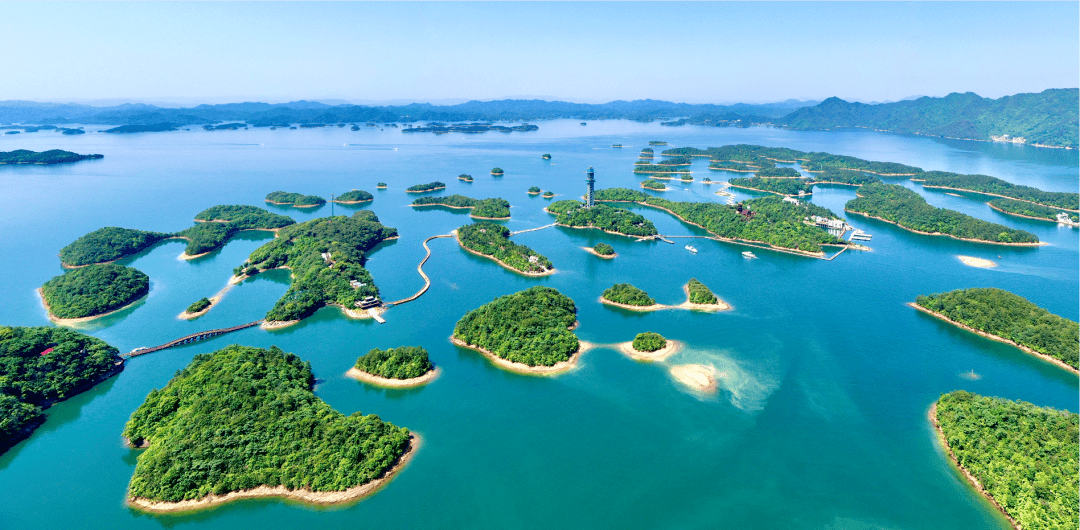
748	254
691	249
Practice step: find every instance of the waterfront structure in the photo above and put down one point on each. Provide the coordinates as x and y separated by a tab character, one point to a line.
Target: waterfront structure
590	181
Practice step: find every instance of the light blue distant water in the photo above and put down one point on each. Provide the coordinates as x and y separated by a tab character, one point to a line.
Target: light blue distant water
821	422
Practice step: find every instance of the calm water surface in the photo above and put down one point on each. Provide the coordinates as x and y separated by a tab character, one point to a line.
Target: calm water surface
820	422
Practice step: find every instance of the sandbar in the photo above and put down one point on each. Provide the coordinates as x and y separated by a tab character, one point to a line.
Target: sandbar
669	349
522	368
386	382
71	321
597	254
696	376
977	262
319	498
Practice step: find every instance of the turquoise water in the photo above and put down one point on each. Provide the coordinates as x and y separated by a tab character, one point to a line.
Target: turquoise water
821	422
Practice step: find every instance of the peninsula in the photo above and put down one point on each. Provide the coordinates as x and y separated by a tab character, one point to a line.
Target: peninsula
526	332
92	291
402	367
491	241
422	188
284	432
53	156
106	245
297	200
46	365
1006	317
481	209
214	227
610	219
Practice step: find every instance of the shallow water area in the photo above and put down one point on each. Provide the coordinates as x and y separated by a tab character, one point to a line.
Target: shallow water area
827	373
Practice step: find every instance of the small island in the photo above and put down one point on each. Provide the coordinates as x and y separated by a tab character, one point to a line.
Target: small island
465	178
283	198
284	428
617	146
43	366
380	186
1003	449
491	241
548	194
700	297
534	190
610	219
657	142
706	181
198	307
651	184
646	154
53	156
602	250
627	296
481	209
422	188
93	291
402	367
497	171
128	129
546	156
527	332
649	347
354	197
1006	317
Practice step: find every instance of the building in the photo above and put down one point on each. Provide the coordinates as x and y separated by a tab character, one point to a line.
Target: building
590	181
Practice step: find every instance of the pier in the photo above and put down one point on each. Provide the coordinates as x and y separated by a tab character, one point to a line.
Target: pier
194	337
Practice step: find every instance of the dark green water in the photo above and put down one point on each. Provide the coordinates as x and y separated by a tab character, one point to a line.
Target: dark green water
821	422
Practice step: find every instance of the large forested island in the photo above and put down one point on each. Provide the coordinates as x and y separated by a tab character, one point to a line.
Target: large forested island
354	197
492	241
1009	318
1030	210
899	205
779	186
93	291
481	209
244	422
608	218
844	177
403	366
298	200
44	365
429	186
52	156
1023	457
325	256
994	186
528	330
107	244
768	220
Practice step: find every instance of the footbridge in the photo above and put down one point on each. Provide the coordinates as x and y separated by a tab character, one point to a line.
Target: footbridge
194	337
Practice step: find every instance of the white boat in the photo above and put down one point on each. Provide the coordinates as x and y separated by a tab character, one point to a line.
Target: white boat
691	249
748	254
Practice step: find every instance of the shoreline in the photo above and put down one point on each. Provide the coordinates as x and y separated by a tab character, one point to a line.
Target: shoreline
995	208
1039	244
931	415
696	377
213	301
670	348
461	208
353	202
993	195
720	305
317	498
642	308
294	205
524	369
665	188
595	253
71	321
547	272
772	192
386	382
1057	362
425	191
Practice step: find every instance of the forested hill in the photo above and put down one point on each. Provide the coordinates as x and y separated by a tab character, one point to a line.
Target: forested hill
1049	117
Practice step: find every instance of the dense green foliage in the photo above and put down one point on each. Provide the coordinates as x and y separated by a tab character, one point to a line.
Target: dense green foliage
548	194
107	244
657	168
242	417
728	165
53	156
366	215
354	196
773	221
778	172
491	239
33	376
676	161
651	184
781	186
1011	317
995	186
529	327
484	208
844	176
646	153
1024	456
199	305
381	185
699	293
648	342
94	290
404	362
908	209
602	216
466	178
496	171
214	226
546	156
430	186
295	199
825	161
604	249
317	282
1030	210
534	189
657	142
624	293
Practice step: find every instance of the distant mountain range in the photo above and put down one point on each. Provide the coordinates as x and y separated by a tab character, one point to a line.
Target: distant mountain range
1049	117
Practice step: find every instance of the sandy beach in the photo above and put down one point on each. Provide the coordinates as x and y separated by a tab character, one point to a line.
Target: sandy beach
977	262
720	305
654	307
695	376
627	348
318	498
385	382
522	368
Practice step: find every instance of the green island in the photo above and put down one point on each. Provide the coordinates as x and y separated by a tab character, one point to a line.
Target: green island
214	226
648	342
1030	210
654	169
380	186
686	177
534	190
617	146
898	205
52	156
608	218
646	154
421	188
354	197
728	165
491	240
326	257
778	173
698	293
404	362
768	220
481	208
294	199
764	157
548	194
199	305
497	171
464	177
626	294
1008	318
286	443
657	142
779	186
92	291
706	180
529	329
107	244
42	366
1021	456
678	161
546	156
603	250
844	177
987	185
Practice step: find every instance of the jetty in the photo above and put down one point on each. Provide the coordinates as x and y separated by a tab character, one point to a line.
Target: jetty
194	337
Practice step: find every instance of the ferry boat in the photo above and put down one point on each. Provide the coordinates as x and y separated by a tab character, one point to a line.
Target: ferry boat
691	249
748	254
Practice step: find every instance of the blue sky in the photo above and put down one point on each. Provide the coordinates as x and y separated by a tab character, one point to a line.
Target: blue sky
592	52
